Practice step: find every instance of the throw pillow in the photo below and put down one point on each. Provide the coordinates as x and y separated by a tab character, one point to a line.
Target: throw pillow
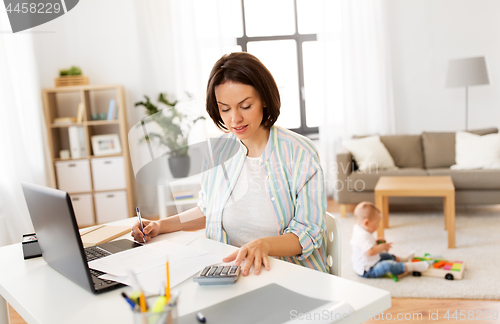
370	154
476	152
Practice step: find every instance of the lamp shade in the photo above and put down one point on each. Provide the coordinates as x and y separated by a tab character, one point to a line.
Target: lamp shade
467	72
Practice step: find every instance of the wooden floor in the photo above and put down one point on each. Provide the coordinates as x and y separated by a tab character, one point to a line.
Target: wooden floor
412	310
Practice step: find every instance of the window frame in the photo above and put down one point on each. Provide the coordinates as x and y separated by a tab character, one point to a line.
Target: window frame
299	40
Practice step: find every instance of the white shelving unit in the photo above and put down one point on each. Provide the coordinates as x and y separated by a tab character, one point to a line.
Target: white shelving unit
100	187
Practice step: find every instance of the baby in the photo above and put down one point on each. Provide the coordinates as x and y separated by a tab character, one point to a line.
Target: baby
369	259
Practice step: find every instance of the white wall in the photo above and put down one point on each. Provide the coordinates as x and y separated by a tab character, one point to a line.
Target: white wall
98	36
424	35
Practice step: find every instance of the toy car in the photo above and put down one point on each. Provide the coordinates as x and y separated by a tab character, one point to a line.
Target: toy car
440	268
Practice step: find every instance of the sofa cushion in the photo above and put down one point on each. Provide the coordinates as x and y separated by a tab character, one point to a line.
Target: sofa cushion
361	181
439	148
470	179
370	154
406	150
476	152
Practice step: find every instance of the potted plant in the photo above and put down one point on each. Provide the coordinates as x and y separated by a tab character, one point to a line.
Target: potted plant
71	76
173	131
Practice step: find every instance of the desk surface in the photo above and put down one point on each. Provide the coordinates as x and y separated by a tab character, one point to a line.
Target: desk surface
41	295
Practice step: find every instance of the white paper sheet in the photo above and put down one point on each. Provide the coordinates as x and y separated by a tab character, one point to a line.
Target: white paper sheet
153	281
144	258
180	237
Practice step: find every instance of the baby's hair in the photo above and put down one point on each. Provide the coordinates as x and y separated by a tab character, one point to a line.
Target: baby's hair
364	210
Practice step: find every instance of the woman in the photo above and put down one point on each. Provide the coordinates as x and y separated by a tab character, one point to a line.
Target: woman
268	199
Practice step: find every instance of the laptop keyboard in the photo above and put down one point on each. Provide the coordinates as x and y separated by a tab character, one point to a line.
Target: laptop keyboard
93	253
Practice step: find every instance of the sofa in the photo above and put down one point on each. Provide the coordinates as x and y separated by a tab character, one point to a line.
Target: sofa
427	154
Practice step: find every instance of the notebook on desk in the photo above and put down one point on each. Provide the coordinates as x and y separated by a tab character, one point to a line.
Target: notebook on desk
56	228
102	234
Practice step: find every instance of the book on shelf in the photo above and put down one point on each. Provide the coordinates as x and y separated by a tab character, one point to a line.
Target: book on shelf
180	195
77	142
80	112
112	109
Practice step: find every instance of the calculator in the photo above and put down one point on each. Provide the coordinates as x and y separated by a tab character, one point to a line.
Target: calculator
218	275
31	249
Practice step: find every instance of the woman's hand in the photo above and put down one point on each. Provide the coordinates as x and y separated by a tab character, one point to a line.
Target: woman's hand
255	252
151	229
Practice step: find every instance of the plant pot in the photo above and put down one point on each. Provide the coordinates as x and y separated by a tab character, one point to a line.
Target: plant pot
179	165
71	80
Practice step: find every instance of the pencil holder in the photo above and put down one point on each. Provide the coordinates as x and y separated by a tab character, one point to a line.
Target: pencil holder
167	314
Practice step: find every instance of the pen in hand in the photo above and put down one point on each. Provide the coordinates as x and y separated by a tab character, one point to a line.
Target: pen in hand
140	224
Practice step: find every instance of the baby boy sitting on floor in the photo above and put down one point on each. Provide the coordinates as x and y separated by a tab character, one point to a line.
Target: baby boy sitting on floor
369	259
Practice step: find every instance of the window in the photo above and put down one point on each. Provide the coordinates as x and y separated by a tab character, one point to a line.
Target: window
283	35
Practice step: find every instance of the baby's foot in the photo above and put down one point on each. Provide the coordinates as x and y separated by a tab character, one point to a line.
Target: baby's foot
409	258
417	266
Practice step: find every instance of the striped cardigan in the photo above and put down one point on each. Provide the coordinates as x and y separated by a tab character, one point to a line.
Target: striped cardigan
295	186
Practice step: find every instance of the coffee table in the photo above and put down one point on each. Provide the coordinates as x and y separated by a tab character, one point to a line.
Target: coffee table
428	186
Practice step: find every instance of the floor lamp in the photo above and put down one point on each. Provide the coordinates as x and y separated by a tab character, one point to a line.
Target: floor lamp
467	72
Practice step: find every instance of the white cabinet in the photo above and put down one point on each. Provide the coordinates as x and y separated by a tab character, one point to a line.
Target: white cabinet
110	206
73	176
108	173
84	209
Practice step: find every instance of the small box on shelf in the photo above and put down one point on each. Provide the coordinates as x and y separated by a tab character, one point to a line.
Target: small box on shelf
64	120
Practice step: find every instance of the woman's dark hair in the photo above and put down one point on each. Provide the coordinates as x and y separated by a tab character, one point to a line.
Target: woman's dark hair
242	67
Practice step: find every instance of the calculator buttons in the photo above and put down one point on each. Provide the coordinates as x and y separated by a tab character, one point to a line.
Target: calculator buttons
205	271
212	271
219	270
218	275
225	270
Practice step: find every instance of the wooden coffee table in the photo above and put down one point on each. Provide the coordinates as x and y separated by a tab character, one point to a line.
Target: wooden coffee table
417	187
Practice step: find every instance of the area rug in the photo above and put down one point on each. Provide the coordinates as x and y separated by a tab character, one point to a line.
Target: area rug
478	245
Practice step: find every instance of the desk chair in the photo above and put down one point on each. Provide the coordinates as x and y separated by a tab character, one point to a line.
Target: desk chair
332	245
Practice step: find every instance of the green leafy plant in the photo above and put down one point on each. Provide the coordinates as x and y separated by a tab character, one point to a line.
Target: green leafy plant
174	125
74	70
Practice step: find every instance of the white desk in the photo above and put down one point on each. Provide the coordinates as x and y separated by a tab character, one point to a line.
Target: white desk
42	295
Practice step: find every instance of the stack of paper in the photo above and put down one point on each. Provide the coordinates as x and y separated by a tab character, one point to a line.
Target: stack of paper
149	264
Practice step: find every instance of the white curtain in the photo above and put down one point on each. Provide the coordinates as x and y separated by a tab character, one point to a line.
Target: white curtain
180	42
21	133
367	90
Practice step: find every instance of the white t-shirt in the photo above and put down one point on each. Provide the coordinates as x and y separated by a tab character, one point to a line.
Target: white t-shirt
249	215
361	242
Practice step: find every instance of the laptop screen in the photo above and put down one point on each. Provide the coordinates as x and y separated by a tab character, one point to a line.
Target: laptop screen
56	228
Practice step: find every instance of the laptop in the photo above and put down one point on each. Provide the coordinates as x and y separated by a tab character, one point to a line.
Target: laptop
56	228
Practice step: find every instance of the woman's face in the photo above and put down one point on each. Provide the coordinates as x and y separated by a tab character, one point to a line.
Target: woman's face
241	109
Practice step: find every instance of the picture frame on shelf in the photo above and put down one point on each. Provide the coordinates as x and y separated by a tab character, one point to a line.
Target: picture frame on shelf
106	144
